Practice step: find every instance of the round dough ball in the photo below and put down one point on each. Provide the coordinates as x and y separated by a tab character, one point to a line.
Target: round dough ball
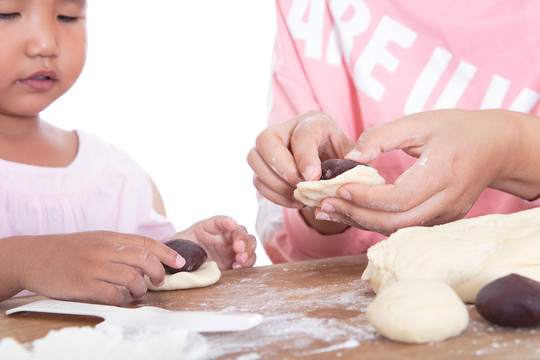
418	311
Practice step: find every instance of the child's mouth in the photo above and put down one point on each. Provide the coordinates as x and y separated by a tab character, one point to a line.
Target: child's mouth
40	81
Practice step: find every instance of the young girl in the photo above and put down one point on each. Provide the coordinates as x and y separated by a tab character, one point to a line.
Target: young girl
78	217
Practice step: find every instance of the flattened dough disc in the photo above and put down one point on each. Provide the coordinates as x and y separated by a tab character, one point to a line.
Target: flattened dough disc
206	275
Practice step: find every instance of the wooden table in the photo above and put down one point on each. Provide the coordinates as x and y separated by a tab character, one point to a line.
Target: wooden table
313	309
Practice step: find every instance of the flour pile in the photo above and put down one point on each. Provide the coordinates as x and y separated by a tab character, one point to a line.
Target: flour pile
113	343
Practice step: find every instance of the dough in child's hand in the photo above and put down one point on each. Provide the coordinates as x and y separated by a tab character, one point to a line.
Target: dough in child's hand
206	275
311	193
466	254
418	311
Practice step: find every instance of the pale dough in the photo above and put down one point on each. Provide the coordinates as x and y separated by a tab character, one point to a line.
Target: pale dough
311	193
418	311
206	275
466	254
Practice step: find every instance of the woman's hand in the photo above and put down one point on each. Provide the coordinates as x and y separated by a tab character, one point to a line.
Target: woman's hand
288	153
459	152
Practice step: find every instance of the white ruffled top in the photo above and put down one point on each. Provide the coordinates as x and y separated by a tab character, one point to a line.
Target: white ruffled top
102	189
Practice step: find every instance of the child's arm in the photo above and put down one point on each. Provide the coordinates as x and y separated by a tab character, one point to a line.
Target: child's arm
226	242
82	266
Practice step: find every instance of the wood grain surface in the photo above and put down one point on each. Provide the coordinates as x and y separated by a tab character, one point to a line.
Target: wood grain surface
312	309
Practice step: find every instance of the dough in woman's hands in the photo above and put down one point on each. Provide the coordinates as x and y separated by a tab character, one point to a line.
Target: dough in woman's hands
466	254
206	275
418	311
311	193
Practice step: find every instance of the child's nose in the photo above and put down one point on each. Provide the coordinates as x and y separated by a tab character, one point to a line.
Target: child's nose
42	41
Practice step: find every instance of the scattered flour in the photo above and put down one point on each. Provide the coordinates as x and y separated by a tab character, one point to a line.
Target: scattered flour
87	343
315	329
250	356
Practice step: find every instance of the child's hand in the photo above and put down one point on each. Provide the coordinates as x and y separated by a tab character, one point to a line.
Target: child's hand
226	242
89	266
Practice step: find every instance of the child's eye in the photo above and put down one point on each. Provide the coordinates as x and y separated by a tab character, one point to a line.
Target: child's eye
8	16
65	18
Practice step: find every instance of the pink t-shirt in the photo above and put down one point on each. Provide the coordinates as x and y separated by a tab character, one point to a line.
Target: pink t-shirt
368	62
102	189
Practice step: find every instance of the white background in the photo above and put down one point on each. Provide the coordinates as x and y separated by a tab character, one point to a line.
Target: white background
181	86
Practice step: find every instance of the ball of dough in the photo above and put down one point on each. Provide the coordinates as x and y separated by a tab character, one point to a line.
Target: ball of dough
467	254
311	193
418	311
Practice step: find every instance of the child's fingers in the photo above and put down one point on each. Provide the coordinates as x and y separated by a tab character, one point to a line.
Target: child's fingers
244	260
161	251
251	261
244	247
92	291
137	252
243	241
124	275
217	225
125	260
95	292
251	243
239	246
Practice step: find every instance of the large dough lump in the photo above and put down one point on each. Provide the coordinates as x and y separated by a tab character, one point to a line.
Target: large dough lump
466	254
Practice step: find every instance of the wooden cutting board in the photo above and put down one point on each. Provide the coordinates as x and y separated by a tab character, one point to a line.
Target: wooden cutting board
312	309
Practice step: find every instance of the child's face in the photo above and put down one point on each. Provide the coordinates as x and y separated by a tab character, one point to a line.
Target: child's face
42	52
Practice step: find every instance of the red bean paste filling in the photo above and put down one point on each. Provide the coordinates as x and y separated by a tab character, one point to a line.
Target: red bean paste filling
194	254
512	300
334	167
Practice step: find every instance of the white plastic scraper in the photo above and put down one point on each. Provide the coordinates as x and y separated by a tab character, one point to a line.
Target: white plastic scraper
148	316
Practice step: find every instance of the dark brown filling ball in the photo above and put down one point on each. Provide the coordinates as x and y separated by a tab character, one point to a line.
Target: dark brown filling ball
194	254
334	167
513	300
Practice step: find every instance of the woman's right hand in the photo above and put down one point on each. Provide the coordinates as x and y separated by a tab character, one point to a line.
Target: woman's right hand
88	266
288	153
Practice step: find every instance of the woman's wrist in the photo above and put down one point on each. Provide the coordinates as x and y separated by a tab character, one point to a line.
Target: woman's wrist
520	171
